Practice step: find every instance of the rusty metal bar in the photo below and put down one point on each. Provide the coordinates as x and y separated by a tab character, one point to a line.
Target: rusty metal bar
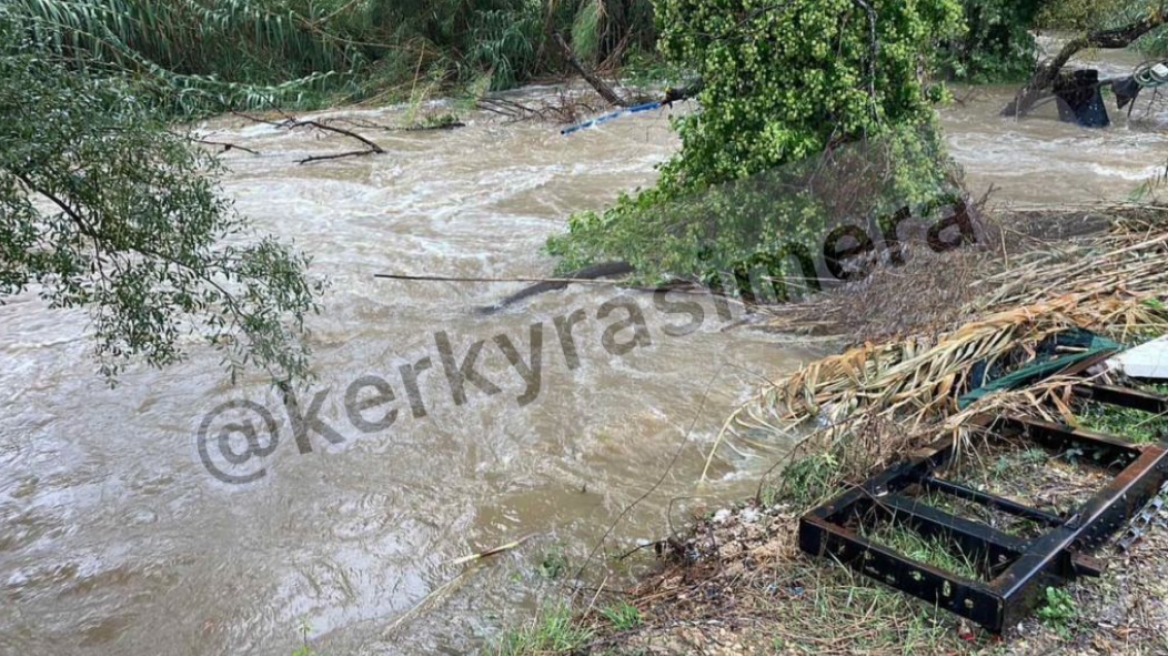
1063	438
955	594
1020	569
1123	397
993	501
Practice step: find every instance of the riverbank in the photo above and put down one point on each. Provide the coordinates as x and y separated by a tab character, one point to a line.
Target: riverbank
350	538
736	582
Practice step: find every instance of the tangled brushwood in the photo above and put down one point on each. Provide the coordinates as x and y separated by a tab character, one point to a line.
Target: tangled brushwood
1113	284
737	582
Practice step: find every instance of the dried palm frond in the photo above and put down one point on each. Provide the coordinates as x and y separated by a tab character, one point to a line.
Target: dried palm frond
1115	284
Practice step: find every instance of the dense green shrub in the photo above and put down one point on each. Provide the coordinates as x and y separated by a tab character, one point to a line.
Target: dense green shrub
1085	15
1082	15
192	54
784	83
510	39
207	55
997	45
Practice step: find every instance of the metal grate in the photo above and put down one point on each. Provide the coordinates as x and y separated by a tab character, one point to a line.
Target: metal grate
1017	569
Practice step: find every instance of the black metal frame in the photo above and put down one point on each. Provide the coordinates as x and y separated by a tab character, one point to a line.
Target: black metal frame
1018	569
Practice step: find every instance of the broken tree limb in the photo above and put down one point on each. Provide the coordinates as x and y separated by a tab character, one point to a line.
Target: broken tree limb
586	276
472	279
293	123
371	148
1047	73
348	153
225	145
583	276
601	87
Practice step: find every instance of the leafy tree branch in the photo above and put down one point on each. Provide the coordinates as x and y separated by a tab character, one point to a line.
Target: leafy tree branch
102	206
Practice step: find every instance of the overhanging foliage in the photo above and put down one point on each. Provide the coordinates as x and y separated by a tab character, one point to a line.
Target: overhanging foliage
102	207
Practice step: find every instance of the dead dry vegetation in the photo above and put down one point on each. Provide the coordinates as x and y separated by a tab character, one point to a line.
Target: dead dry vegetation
737	583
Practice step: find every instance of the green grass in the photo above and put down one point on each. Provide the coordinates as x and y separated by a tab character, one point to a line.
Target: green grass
1019	526
1135	425
1058	483
805	481
552	632
840	607
1019	462
623	616
937	552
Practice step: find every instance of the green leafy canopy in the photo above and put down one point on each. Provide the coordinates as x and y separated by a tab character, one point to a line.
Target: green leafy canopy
103	207
784	82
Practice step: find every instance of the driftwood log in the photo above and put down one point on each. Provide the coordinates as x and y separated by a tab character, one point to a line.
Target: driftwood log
1047	73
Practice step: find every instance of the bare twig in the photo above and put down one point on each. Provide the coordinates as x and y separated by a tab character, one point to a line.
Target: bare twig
293	123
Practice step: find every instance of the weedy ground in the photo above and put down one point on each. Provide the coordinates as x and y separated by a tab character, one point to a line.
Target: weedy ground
1134	425
738	584
1055	482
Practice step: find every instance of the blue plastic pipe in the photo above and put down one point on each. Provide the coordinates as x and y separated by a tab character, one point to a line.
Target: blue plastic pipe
608	117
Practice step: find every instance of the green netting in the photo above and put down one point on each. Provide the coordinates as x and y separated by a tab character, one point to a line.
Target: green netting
1049	362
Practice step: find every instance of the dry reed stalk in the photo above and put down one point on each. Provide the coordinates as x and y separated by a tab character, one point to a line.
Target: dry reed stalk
1115	284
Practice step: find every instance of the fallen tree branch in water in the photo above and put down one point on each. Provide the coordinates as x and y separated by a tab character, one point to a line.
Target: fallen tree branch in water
563	281
510	546
1047	73
452	124
293	123
371	148
567	108
223	144
446	589
601	87
586	276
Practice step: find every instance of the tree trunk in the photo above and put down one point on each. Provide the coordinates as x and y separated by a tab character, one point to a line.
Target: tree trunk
1047	73
603	89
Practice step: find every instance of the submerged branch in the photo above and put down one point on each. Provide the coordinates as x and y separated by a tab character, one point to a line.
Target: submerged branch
1047	73
293	123
225	145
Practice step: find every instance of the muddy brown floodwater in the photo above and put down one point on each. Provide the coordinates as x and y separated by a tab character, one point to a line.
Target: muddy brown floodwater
116	539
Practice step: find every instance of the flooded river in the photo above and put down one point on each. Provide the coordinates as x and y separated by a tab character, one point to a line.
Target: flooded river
118	536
